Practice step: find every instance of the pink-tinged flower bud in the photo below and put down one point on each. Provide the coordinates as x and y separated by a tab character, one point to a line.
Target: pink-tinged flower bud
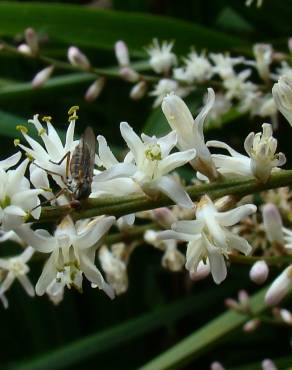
164	217
128	74
216	366
251	325
232	304
122	53
203	270
290	44
24	49
42	77
95	89
272	223
281	286
77	58
259	272
31	39
138	91
243	299
286	316
268	364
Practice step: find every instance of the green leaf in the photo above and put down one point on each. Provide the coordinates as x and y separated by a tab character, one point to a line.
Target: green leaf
75	352
200	341
99	28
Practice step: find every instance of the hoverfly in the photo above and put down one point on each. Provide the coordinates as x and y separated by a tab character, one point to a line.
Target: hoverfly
79	169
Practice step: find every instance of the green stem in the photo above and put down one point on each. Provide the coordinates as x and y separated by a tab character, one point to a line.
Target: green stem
119	206
250	260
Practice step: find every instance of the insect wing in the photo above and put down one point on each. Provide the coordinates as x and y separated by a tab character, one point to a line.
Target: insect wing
88	149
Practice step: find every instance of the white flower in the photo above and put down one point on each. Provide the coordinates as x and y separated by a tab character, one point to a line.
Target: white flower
53	149
220	107
237	87
280	287
150	163
284	69
224	64
139	90
115	268
268	364
197	69
17	199
172	259
72	254
121	186
166	86
190	133
282	93
208	236
260	147
161	57
263	55
17	268
287	238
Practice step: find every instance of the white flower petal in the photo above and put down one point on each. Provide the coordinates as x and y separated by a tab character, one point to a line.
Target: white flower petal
233	216
27	285
37	241
133	141
94	233
6	284
175	160
105	154
10	161
48	274
174	191
188	227
119	170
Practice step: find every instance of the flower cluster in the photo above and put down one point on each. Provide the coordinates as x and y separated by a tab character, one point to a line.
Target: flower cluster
73	173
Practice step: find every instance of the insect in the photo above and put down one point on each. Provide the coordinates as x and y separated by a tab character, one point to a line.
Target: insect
81	165
79	169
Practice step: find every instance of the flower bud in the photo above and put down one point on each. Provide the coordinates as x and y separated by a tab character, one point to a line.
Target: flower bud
281	286
259	272
164	217
172	259
203	270
251	325
190	133
290	44
263	56
286	316
216	366
31	39
138	90
268	364
77	58
24	49
150	236
95	89
122	53
243	299
42	77
126	222
282	94
128	74
272	223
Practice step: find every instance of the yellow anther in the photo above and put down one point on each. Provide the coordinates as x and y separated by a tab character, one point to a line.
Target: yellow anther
72	110
47	119
29	156
16	142
73	117
41	132
22	129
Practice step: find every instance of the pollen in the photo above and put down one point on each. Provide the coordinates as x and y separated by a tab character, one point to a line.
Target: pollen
47	119
41	131
72	113
29	156
16	142
22	129
153	152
